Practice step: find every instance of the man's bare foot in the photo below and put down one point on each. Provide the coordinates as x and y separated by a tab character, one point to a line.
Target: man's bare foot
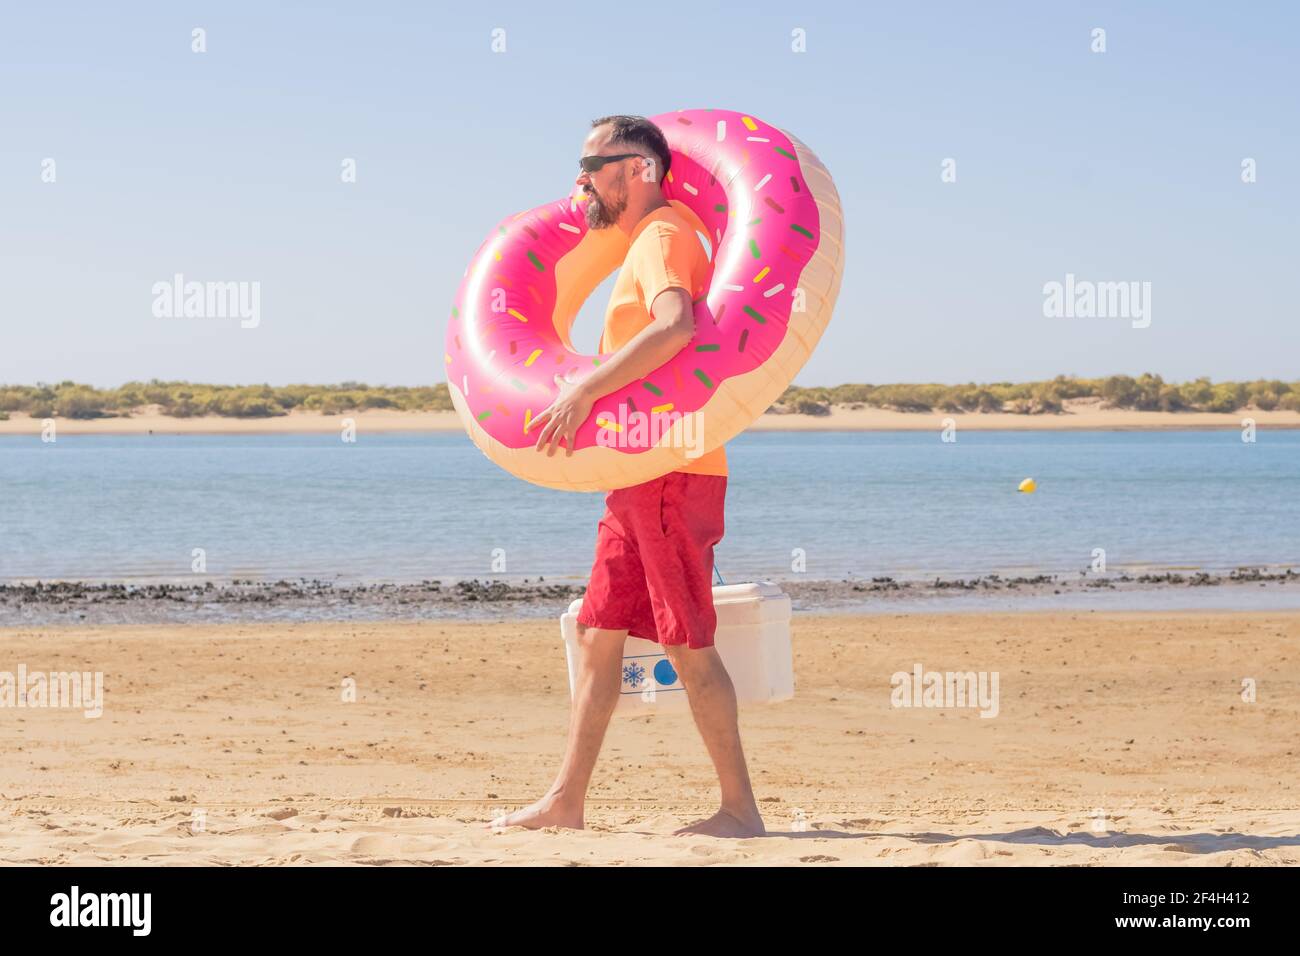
726	824
546	812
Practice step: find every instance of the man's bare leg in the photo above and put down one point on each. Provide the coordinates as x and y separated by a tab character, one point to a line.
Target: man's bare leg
595	694
713	705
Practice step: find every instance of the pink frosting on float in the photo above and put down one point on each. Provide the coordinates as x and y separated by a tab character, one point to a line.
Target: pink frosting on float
742	179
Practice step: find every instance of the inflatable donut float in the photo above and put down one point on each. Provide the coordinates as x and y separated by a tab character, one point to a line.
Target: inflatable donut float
769	217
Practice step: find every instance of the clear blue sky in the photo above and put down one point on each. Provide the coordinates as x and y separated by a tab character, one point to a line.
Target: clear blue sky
225	166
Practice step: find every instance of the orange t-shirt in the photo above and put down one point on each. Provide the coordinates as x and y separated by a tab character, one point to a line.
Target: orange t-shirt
665	254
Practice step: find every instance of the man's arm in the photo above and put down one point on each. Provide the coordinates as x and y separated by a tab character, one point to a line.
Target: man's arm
672	326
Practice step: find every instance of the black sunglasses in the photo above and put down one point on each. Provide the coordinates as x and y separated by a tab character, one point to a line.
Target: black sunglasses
592	164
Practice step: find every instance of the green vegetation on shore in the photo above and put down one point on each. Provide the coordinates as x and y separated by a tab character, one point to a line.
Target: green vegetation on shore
184	400
187	400
1147	392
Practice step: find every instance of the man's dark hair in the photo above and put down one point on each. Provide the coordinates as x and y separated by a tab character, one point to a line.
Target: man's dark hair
639	132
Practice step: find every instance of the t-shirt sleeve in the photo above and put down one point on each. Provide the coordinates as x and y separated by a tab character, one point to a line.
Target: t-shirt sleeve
667	261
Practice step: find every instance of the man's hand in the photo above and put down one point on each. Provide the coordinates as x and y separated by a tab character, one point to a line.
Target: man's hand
562	417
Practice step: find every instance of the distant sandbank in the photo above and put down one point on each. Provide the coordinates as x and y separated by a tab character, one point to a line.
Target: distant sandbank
841	418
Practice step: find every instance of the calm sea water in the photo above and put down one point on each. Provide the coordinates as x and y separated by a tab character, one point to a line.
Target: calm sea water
416	506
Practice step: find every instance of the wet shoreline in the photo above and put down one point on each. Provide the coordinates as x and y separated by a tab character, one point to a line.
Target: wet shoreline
81	603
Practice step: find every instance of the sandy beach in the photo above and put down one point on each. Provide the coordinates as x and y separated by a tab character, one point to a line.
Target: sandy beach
841	418
1120	738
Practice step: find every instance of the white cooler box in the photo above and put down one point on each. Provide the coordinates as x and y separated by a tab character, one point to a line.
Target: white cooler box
753	640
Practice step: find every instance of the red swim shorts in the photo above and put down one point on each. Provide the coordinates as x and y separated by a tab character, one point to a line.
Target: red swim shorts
653	574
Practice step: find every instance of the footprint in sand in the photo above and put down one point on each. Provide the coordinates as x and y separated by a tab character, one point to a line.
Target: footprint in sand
1182	848
376	846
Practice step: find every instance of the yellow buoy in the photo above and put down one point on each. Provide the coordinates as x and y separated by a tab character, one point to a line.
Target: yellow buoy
1028	486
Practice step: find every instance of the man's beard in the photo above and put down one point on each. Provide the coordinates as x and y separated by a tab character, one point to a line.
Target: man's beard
601	215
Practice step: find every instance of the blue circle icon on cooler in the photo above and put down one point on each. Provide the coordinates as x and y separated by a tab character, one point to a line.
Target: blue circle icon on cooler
664	673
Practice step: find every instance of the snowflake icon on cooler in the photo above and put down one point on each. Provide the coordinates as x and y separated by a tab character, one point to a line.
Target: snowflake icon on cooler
633	674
